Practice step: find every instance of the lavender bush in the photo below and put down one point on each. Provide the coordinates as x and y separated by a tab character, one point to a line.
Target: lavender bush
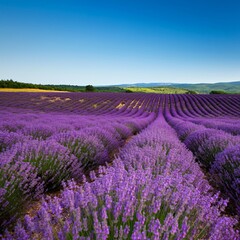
88	150
205	144
226	172
109	138
8	139
39	131
52	162
19	183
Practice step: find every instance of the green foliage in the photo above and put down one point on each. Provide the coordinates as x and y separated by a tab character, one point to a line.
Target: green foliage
109	89
14	84
128	91
218	92
191	92
70	88
89	88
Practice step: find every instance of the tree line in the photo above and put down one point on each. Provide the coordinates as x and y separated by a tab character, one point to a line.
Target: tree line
9	83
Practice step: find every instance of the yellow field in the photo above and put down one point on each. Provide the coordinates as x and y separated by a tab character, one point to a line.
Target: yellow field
26	90
162	90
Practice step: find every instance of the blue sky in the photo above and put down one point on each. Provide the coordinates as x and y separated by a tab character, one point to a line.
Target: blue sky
103	42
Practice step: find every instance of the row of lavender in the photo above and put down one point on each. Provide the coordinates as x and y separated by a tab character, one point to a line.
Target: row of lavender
187	106
82	103
38	151
205	105
207	113
213	142
153	190
123	103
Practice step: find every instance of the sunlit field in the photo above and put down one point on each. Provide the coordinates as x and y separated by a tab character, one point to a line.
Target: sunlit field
25	90
162	90
119	166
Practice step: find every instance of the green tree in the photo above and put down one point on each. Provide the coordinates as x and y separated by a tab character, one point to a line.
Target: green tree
89	88
191	92
128	91
218	92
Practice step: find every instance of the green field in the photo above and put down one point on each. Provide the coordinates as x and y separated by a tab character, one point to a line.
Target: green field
163	90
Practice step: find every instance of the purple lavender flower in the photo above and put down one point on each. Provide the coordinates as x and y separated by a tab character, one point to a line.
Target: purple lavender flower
88	149
52	162
226	172
205	144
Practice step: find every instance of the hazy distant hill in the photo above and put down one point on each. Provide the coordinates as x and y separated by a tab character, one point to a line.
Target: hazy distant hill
142	85
229	87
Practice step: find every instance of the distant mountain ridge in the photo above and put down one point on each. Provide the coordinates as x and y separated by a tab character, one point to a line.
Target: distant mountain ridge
143	84
156	84
229	87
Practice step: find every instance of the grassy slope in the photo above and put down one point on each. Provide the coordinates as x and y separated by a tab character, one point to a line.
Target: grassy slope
231	87
163	90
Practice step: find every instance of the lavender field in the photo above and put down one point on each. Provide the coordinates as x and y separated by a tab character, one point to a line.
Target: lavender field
119	166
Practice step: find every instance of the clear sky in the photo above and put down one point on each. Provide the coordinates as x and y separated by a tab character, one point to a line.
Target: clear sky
103	42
